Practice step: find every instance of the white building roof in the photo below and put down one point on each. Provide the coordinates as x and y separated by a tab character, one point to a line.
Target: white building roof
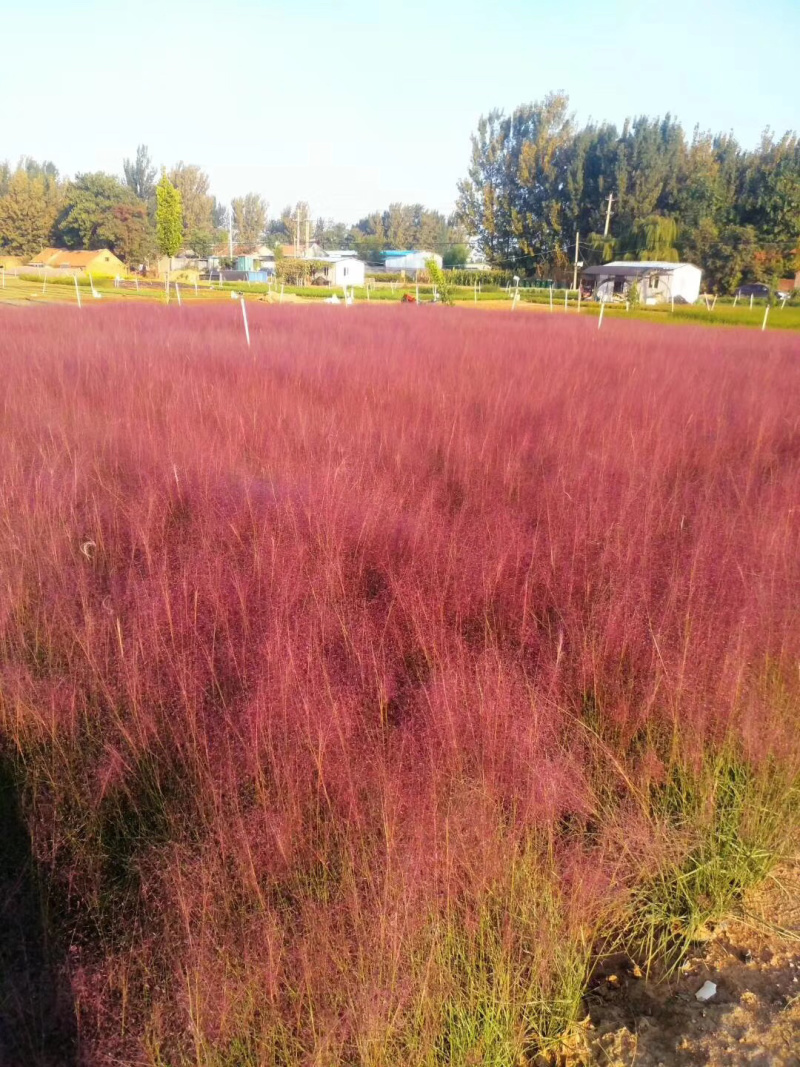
633	267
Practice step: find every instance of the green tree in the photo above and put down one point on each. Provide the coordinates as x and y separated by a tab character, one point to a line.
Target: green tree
140	174
331	234
169	217
771	197
400	224
202	243
197	202
28	211
128	231
249	220
728	255
513	199
654	238
88	218
439	279
456	256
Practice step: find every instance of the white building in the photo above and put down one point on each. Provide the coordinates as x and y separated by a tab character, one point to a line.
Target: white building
412	261
658	281
340	271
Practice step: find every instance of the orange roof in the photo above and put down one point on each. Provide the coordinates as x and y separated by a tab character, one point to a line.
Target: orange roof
63	257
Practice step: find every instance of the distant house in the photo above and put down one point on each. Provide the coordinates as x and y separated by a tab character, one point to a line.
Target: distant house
657	281
98	261
302	251
396	260
339	271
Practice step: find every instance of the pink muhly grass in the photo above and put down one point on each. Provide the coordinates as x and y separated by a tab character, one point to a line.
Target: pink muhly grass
308	650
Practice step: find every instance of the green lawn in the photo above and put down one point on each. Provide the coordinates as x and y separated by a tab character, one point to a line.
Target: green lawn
786	318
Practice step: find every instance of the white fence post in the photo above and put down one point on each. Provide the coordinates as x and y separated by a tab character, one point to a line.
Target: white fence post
244	319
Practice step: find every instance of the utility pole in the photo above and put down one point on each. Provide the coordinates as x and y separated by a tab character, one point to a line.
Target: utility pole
575	268
230	231
608	214
297	235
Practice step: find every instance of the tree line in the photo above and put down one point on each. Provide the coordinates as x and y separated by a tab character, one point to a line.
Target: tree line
137	216
536	179
38	207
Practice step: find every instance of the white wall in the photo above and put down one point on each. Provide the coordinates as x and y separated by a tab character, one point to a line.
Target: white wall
346	272
686	283
682	284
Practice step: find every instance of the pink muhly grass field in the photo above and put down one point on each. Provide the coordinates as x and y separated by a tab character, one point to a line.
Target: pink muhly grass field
339	673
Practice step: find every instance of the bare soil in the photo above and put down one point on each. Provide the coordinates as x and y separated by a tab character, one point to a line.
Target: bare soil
753	1019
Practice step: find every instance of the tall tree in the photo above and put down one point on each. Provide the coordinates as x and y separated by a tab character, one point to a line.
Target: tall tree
771	200
198	203
331	234
28	211
513	199
169	217
140	174
249	220
400	224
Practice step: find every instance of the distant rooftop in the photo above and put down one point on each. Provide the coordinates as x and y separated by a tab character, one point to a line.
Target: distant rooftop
631	268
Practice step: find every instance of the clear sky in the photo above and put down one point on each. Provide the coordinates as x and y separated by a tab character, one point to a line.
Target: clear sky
351	104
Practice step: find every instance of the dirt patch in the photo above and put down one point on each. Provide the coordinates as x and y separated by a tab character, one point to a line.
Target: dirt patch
753	1019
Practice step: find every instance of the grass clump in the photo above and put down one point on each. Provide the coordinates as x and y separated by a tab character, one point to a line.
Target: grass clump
737	823
514	977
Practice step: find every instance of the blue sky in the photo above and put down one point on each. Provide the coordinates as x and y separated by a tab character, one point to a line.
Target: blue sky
351	105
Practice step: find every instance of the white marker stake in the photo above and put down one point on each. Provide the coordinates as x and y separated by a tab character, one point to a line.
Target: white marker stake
137	284
551	298
672	302
602	309
751	301
178	294
246	327
566	295
4	276
77	290
766	316
735	299
44	284
579	301
195	287
714	302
